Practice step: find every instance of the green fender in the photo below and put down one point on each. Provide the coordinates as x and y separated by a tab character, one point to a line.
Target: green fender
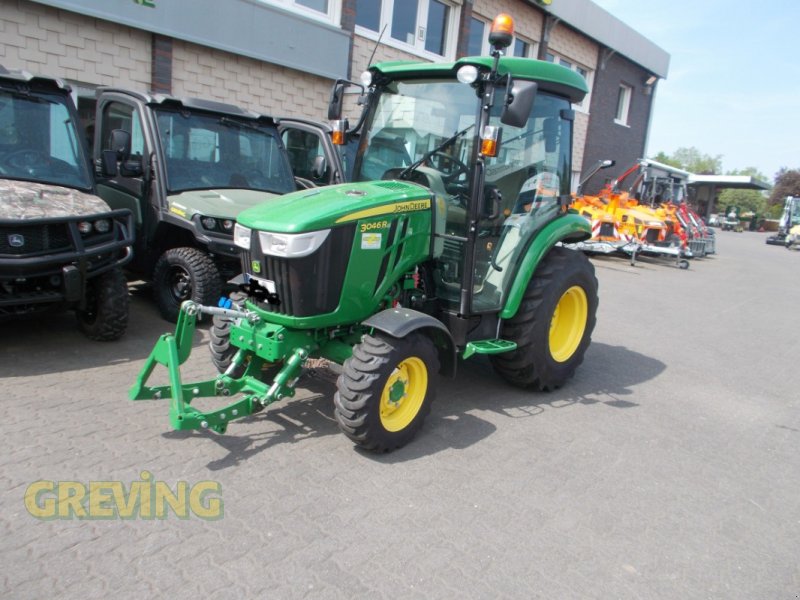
570	228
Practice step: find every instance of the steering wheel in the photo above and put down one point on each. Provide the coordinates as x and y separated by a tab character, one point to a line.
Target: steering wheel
452	173
26	159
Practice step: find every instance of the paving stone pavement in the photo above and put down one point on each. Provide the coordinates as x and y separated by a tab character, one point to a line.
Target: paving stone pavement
668	468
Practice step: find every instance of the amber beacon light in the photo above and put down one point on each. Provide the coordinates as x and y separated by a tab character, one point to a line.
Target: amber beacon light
501	33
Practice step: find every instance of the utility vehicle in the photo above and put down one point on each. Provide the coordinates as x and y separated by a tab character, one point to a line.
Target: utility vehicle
61	247
186	167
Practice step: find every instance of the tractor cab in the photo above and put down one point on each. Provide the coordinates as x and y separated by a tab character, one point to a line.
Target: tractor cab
491	138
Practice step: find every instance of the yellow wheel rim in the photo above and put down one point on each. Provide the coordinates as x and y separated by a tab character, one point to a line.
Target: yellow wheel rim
403	394
568	324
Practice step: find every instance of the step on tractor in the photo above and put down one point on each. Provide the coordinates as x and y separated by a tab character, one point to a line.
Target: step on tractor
453	251
61	246
185	168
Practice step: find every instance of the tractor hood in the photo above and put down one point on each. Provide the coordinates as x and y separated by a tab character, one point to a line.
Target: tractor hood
325	207
222	203
28	200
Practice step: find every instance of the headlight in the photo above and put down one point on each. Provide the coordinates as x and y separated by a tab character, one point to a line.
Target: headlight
102	225
228	224
209	223
241	236
467	74
366	78
291	245
85	227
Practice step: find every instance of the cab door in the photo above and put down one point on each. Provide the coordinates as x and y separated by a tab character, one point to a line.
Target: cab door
314	159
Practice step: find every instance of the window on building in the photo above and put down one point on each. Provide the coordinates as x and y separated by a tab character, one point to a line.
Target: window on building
368	14
477	38
582	71
425	27
623	104
522	48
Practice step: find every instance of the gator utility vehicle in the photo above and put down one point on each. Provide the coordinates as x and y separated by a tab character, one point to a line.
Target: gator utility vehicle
61	247
186	168
454	254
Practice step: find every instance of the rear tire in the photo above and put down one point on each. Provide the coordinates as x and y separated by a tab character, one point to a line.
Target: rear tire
554	323
105	318
184	274
386	389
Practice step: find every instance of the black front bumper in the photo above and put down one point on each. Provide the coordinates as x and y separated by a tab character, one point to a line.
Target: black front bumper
46	261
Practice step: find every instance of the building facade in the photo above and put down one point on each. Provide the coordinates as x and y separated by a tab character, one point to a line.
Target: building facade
281	57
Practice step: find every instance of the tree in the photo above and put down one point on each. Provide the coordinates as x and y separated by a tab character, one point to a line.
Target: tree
692	160
787	183
747	200
666	160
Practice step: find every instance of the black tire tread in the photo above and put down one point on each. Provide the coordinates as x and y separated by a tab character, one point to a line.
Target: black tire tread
107	318
359	389
206	281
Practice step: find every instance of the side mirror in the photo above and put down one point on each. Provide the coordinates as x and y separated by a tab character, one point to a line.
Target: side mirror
319	167
519	102
119	142
335	102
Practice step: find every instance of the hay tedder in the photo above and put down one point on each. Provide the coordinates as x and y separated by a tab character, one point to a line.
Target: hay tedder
453	251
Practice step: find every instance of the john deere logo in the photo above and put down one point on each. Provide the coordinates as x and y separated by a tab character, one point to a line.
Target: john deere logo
15	240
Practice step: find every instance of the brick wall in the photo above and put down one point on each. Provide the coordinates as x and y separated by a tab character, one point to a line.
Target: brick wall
58	43
263	87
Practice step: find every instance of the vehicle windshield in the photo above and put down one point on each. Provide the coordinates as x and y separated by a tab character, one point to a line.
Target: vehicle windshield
412	118
39	141
205	151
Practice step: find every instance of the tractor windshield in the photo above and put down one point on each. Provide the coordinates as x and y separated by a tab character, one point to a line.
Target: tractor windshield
205	151
40	142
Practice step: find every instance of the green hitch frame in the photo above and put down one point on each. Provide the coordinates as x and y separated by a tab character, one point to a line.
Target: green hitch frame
172	350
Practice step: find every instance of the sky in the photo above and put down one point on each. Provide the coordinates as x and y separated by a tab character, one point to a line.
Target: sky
733	87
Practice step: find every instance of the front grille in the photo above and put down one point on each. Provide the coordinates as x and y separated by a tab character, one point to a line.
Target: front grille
307	286
34	239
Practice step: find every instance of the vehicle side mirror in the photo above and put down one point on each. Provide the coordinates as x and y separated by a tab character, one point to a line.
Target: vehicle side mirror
319	168
119	142
335	102
519	102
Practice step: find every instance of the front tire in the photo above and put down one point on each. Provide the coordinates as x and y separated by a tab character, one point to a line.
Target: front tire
184	274
554	323
105	318
386	389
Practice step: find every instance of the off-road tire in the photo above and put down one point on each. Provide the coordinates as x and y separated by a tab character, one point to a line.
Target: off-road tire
220	343
105	318
379	364
563	276
184	274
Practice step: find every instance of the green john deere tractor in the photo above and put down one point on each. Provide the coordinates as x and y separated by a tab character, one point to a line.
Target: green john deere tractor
446	244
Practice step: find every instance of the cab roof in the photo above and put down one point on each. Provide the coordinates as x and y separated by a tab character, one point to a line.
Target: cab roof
550	77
